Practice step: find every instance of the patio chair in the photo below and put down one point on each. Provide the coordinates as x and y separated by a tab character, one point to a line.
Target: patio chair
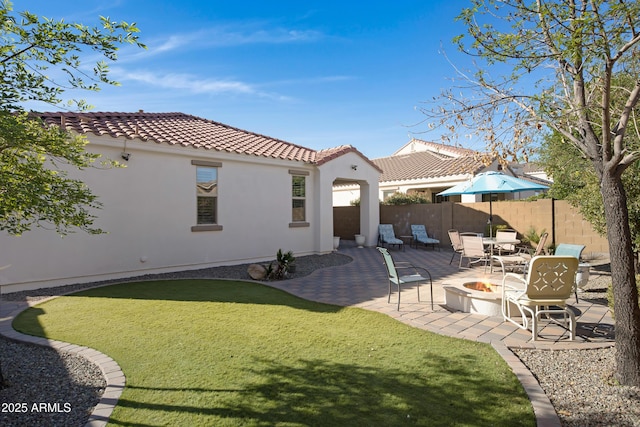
398	280
547	286
473	248
565	249
508	235
456	243
419	234
520	260
386	235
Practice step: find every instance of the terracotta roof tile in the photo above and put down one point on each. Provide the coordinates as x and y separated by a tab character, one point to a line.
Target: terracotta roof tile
180	129
424	164
324	156
444	149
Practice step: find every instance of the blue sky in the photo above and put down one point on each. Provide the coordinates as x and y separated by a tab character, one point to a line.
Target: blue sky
315	73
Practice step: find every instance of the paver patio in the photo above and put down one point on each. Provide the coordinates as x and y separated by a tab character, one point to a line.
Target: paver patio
363	283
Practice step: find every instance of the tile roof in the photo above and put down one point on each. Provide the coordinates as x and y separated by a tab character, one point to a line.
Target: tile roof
425	164
189	131
324	156
444	149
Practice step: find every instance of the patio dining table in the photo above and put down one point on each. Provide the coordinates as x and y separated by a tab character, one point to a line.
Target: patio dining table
492	242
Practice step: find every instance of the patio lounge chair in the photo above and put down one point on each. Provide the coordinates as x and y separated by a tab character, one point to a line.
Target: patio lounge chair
520	260
547	286
386	235
398	280
473	248
419	234
565	249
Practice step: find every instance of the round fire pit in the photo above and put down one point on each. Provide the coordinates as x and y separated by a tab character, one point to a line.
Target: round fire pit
480	286
473	296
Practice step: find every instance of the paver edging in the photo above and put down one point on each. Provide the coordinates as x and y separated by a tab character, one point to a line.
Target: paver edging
545	413
111	371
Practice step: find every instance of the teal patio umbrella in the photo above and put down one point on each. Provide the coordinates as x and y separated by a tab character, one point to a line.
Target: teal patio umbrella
492	182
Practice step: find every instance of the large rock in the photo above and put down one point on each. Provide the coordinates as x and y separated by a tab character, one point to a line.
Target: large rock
257	271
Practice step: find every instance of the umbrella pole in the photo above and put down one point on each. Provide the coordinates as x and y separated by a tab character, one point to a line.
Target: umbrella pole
490	216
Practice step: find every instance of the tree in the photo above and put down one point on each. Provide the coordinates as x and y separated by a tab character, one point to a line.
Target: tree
557	61
35	189
576	182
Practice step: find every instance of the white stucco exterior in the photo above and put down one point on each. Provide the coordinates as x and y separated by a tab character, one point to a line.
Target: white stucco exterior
149	209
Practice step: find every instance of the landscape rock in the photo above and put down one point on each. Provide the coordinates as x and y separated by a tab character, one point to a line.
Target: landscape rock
257	271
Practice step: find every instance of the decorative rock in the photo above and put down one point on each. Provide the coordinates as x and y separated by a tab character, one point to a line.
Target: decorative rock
257	271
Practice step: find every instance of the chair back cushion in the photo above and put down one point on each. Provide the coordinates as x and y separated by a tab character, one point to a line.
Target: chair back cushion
388	262
565	249
386	232
419	232
551	277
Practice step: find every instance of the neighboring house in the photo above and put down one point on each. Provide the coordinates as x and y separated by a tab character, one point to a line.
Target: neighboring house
194	194
427	168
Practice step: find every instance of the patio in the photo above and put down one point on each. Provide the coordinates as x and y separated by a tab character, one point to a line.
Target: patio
363	283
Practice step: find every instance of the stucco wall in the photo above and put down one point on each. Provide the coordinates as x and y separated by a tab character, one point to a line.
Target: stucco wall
149	209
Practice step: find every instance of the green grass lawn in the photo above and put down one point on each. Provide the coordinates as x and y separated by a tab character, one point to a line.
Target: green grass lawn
228	353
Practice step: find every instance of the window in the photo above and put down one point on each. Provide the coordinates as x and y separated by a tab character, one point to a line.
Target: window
206	195
298	193
298	198
207	190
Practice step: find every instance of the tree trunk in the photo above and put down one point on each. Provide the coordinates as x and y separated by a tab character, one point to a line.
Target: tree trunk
625	292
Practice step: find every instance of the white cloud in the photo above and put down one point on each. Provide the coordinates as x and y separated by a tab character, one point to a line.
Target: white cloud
195	85
231	35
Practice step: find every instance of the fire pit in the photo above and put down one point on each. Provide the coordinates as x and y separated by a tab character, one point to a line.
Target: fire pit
473	296
480	286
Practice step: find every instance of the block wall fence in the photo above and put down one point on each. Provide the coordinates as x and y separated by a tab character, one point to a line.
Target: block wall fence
563	222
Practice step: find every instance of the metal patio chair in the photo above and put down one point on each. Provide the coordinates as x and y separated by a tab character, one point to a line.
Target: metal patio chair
400	280
520	260
543	291
474	249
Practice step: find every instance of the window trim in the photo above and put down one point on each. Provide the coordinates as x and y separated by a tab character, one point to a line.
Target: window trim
304	174
207	227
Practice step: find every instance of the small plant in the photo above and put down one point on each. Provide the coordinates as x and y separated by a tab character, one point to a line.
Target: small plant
285	264
532	236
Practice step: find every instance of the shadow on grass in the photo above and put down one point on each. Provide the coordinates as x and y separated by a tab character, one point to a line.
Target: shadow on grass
206	290
307	390
320	393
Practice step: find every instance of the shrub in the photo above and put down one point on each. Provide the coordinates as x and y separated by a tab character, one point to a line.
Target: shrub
532	236
406	199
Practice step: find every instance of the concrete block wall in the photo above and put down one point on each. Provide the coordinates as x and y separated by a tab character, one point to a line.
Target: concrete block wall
563	223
